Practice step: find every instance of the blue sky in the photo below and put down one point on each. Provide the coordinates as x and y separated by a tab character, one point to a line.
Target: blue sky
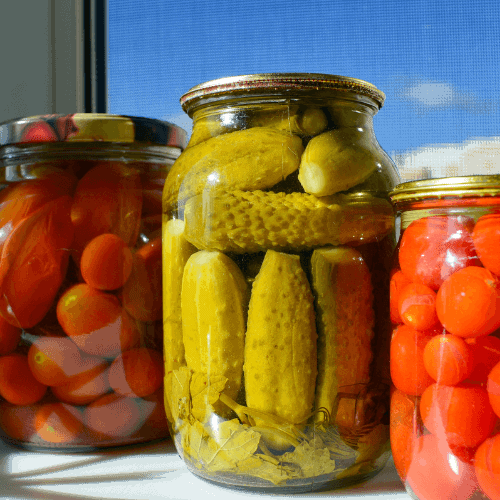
437	61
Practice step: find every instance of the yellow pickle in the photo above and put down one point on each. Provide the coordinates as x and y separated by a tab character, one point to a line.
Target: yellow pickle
277	238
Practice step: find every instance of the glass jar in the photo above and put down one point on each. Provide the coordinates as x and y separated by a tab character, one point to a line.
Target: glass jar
277	234
80	279
445	346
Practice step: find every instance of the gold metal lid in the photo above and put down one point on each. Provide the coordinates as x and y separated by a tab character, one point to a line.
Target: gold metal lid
91	127
269	83
446	187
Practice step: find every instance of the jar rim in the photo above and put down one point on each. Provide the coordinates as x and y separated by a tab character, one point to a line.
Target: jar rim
445	187
91	128
268	83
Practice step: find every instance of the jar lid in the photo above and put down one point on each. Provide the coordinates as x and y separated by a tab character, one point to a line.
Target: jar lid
268	83
446	187
91	127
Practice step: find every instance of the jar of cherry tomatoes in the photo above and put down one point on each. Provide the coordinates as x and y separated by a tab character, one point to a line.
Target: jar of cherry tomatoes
445	346
80	279
278	235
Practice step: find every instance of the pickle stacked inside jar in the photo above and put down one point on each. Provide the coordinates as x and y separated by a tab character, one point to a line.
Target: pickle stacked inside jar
275	296
80	308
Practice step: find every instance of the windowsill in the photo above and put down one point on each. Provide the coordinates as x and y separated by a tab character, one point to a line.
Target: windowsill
149	472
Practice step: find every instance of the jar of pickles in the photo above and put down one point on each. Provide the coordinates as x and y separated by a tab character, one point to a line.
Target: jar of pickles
445	347
277	239
81	350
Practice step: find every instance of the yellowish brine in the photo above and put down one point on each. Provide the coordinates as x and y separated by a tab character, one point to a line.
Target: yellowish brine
276	227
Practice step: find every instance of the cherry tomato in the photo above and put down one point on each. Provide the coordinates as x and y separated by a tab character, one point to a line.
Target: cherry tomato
142	293
108	199
487	464
17	384
106	262
53	360
18	422
33	263
486	354
113	416
468	302
398	282
461	415
436	473
86	386
96	321
9	336
408	372
432	248
486	238
405	428
448	359
137	372
153	410
493	388
58	422
417	306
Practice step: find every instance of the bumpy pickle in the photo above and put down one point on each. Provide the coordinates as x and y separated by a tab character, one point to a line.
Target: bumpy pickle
176	252
342	287
280	349
213	304
241	222
249	159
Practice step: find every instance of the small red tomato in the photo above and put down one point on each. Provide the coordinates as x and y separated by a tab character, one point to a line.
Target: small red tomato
468	302
106	262
408	372
142	293
137	373
9	336
33	263
58	423
486	238
432	248
461	415
436	473
417	306
96	321
405	428
18	422
486	354
108	199
493	388
487	465
448	359
398	282
17	384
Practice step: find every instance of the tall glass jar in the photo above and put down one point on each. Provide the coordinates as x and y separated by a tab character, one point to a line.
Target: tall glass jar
277	236
81	362
445	346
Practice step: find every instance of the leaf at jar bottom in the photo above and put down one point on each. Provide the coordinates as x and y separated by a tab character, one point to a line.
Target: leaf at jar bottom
193	438
177	397
205	393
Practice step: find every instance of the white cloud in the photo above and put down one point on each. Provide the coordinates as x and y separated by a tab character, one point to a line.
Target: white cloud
432	94
479	156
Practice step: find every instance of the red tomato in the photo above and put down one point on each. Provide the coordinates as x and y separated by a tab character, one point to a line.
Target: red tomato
153	410
33	263
9	336
142	293
106	262
436	473
108	199
417	306
137	372
18	422
461	415
487	464
58	423
448	359
493	388
432	248
96	321
468	302
86	386
17	384
408	372
405	428
486	237
486	353
398	282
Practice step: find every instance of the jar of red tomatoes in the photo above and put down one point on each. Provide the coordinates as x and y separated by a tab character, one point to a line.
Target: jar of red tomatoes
445	345
80	279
